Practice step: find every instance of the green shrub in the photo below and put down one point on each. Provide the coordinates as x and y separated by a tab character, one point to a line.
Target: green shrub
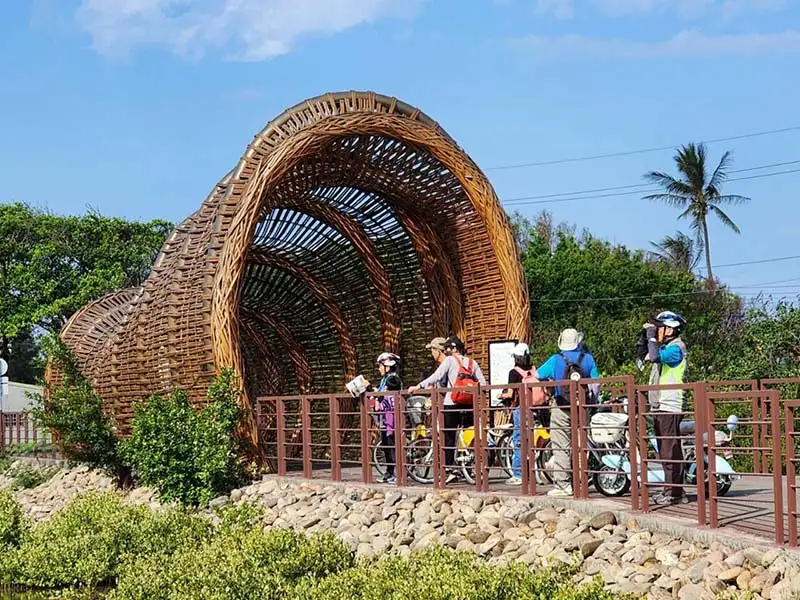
25	476
75	413
86	543
441	574
188	455
238	565
12	521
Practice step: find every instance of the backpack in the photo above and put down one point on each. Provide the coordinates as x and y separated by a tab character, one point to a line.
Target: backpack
574	372
465	381
538	394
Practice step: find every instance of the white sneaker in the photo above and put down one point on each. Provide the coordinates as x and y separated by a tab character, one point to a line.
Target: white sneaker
560	492
513	481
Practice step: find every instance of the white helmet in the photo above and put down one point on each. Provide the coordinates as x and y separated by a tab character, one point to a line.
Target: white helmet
520	350
388	359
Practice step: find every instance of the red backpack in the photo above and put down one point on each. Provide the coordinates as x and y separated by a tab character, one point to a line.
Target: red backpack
465	381
538	393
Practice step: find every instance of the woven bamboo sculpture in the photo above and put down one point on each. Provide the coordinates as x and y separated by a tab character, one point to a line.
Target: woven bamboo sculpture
353	224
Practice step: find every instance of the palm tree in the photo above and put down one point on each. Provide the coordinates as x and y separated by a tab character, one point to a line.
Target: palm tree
680	251
698	192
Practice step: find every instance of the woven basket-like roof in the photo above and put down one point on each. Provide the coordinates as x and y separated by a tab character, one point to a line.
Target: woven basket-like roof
353	224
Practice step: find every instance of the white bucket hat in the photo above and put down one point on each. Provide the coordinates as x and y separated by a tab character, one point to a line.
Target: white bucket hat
520	349
569	340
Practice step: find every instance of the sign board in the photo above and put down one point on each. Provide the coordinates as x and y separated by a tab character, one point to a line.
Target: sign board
500	363
3	367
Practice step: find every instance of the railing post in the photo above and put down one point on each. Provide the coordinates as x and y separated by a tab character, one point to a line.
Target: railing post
713	500
336	463
399	439
437	422
305	423
756	412
525	433
366	455
701	406
633	443
577	447
581	406
642	404
777	464
791	475
280	417
478	444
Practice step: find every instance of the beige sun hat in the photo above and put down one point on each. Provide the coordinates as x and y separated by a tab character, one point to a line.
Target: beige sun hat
569	340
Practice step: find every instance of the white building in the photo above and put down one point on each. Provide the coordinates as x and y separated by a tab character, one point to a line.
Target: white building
17	399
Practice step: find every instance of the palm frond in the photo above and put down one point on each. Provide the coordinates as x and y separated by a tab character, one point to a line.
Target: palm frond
720	174
673	199
731	199
726	220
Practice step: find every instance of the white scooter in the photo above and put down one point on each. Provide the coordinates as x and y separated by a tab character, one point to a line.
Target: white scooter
724	473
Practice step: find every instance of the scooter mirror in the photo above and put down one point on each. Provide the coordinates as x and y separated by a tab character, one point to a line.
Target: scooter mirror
733	422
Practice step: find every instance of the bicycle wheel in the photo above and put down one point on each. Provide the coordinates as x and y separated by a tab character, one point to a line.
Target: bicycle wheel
505	451
419	457
543	462
466	460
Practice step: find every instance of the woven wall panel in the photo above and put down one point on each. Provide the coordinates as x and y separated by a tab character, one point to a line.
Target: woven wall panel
353	224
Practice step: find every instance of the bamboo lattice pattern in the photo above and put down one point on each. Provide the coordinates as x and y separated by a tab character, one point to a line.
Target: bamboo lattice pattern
353	224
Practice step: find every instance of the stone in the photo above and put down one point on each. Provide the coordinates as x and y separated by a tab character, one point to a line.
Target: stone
478	536
218	502
769	557
490	544
365	551
743	580
236	495
730	575
735	560
546	515
589	547
696	572
310	522
666	558
692	592
754	555
604	519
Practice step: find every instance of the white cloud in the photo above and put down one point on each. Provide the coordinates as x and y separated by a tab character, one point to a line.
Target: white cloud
250	29
685	43
560	9
689	8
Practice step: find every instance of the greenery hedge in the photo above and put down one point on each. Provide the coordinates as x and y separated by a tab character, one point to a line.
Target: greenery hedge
174	554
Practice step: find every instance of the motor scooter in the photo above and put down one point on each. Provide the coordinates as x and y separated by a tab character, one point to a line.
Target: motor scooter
618	463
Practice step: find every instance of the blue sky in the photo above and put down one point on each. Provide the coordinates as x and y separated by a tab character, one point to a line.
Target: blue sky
137	107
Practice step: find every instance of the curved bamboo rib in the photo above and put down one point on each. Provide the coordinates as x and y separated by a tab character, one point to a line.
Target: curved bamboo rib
338	321
352	224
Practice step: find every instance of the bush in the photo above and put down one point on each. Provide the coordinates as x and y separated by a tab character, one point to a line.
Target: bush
75	413
188	455
441	574
25	476
12	521
237	565
86	543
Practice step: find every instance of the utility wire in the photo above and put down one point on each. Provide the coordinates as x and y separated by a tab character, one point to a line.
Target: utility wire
645	296
530	200
639	151
754	262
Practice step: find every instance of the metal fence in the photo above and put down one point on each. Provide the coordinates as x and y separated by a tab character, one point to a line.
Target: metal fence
20	434
340	438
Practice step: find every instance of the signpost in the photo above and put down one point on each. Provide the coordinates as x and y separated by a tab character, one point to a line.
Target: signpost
3	382
500	363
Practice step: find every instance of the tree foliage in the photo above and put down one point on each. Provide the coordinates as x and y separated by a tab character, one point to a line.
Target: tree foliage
51	265
698	192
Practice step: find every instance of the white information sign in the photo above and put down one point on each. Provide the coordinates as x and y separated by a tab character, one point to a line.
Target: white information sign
500	363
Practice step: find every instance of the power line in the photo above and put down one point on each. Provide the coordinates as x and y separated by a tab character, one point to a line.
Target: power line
639	151
641	185
649	296
531	200
754	262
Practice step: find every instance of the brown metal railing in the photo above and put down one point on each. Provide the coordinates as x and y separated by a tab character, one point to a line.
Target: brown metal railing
335	437
19	429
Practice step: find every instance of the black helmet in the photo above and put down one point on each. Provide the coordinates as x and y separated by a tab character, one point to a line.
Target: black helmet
454	343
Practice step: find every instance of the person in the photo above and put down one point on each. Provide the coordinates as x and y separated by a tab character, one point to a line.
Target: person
384	406
560	366
436	346
522	366
455	415
667	353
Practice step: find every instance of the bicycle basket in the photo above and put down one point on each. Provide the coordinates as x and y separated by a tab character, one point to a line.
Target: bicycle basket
607	428
415	410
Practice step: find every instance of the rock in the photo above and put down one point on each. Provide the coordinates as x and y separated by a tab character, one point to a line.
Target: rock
743	580
730	575
589	547
604	519
765	580
692	592
769	557
381	545
546	515
477	535
666	558
236	495
735	560
365	551
490	544
218	502
754	555
310	522
388	511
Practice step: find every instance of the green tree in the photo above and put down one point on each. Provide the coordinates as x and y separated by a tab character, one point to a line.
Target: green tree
680	251
698	192
51	265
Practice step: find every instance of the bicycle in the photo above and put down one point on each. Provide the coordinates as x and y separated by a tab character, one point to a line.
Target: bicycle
418	448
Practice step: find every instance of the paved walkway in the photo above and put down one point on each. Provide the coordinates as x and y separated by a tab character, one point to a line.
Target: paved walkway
748	509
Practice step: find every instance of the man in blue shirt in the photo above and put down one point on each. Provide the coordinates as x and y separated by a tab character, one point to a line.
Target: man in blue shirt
570	361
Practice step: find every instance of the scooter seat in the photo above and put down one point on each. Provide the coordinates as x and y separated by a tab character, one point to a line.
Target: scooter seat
687	427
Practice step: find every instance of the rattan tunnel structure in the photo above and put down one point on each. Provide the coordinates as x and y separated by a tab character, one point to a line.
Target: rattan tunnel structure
353	224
